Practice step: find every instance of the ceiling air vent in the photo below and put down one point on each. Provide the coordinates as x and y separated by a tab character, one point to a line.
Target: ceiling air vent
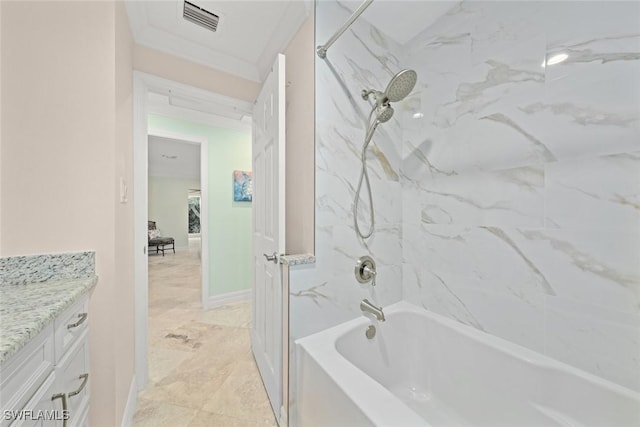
201	17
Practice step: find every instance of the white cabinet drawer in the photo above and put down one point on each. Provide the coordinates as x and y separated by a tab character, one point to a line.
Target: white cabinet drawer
54	363
42	410
70	325
81	419
25	371
73	377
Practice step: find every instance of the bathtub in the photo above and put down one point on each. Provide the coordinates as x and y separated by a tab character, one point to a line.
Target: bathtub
422	369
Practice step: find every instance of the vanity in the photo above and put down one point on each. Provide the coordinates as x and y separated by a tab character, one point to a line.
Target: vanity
44	347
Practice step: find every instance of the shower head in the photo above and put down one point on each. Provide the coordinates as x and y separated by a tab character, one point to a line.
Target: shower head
384	113
401	85
398	88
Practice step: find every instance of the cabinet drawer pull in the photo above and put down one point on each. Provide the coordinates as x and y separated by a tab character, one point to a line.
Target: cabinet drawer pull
64	407
84	378
82	316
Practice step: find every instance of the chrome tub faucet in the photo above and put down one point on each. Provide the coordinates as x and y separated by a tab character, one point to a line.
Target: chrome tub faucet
367	307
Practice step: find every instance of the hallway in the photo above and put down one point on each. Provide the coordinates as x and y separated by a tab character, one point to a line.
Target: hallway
201	369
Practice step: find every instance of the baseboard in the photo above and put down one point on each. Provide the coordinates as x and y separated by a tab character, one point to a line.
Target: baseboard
130	409
228	298
284	419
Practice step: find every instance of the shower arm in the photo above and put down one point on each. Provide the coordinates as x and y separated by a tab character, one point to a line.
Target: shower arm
322	49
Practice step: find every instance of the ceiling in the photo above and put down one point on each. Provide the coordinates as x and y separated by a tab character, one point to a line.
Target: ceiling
249	35
186	163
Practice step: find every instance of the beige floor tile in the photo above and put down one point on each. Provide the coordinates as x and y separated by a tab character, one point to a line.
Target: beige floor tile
201	368
242	395
208	419
163	362
161	414
189	387
237	315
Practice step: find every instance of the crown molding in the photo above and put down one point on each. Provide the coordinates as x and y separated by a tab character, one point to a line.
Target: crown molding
296	13
147	35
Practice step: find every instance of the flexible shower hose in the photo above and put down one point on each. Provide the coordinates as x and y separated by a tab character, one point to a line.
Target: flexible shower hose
364	175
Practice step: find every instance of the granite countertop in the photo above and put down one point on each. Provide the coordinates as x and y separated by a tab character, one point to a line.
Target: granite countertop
25	309
298	259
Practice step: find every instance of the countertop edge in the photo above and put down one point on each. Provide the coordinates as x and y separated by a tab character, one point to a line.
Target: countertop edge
298	259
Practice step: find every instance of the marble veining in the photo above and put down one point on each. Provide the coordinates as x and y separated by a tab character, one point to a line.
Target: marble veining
543	152
41	268
583	115
25	309
314	293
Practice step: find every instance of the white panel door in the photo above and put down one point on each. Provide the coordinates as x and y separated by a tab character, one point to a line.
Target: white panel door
268	230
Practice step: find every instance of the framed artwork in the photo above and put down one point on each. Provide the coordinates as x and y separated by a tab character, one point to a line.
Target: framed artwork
242	186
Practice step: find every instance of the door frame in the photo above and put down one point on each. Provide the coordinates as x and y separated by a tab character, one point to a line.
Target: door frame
143	85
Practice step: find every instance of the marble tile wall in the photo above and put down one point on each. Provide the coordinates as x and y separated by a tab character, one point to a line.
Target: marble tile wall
326	293
521	182
506	190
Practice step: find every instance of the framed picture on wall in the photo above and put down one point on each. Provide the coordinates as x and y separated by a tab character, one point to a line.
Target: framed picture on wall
242	186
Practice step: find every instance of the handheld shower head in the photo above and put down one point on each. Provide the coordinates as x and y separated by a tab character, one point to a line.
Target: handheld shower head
384	113
399	87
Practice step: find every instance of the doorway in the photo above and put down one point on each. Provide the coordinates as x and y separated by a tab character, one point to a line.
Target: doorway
155	95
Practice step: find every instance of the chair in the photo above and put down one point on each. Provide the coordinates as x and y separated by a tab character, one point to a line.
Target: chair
159	242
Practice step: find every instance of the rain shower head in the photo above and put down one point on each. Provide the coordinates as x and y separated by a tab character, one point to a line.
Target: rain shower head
398	88
401	85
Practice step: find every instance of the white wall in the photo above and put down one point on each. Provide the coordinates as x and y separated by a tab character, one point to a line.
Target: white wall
168	206
124	307
170	67
66	139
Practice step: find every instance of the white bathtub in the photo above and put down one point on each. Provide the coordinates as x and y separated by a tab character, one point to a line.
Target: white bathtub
422	369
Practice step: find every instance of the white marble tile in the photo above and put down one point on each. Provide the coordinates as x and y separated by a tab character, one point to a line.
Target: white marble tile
568	22
384	246
594	193
485	253
478	303
595	266
511	197
603	342
328	303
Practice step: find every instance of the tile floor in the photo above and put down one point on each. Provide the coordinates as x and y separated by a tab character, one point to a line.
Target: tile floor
201	369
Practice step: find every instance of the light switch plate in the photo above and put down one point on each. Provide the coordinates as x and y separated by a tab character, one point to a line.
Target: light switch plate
123	191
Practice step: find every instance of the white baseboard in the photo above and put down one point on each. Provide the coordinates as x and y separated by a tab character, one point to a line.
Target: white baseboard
228	298
284	419
130	409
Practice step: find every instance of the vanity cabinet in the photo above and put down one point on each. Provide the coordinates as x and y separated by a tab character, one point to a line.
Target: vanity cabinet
50	374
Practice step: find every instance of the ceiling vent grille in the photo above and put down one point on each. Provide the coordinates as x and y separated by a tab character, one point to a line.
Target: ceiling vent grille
201	17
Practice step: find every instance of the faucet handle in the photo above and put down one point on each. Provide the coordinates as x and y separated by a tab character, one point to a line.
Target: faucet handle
365	270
